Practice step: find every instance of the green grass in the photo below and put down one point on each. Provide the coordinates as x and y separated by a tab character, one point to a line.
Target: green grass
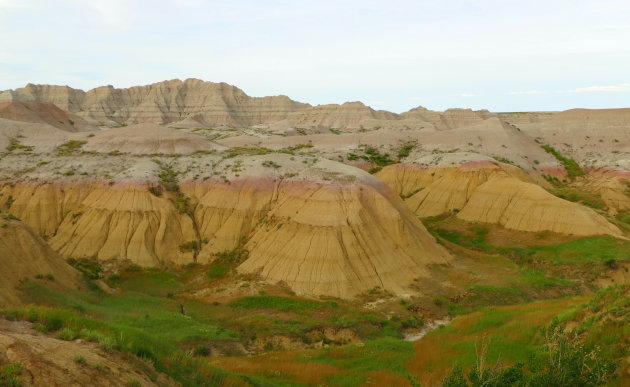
153	282
571	166
357	360
476	239
146	318
539	279
586	198
583	250
513	333
9	375
148	327
218	271
280	303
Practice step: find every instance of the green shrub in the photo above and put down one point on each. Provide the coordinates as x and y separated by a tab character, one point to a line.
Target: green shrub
189	246
80	359
69	147
405	150
270	164
14	144
563	360
218	271
155	190
201	350
90	268
67	334
571	166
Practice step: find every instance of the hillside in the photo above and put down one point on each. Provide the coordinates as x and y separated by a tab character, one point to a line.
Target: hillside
200	235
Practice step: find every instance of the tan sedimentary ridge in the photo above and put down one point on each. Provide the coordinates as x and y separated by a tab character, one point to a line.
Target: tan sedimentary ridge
43	113
195	103
593	137
23	255
499	194
338	232
163	102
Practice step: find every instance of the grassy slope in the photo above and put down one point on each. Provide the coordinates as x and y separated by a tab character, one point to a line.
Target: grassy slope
511	330
145	318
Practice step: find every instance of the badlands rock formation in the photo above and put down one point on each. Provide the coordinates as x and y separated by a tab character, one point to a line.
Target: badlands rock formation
317	225
612	186
181	171
492	193
23	255
170	101
43	113
147	139
594	137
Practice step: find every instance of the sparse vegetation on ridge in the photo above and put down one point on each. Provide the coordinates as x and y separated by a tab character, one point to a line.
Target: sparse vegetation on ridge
571	166
69	147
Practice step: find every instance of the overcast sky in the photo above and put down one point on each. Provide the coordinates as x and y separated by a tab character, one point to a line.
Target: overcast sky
502	55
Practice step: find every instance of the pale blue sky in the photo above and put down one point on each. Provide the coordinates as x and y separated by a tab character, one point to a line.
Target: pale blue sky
397	54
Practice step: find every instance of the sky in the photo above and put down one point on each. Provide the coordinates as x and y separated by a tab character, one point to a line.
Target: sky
500	55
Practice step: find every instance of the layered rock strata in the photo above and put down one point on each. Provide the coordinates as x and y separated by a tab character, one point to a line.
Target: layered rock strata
492	193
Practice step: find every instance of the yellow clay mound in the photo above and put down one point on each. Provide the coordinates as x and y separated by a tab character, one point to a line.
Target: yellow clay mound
517	205
611	186
125	222
334	230
24	255
485	192
340	240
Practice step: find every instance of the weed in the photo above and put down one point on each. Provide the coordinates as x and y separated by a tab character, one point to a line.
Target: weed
503	160
69	147
155	190
67	334
14	144
80	359
9	375
270	164
90	268
405	150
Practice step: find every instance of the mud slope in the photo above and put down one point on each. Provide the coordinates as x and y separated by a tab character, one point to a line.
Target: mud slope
47	361
492	193
43	113
23	255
